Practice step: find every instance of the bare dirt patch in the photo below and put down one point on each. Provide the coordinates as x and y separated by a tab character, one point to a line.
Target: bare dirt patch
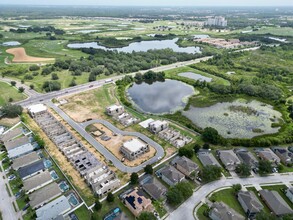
20	56
9	122
116	142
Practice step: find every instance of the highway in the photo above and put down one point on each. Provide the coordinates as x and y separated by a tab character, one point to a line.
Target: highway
185	210
80	128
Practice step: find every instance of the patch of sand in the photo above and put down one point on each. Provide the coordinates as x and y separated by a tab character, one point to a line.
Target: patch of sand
20	56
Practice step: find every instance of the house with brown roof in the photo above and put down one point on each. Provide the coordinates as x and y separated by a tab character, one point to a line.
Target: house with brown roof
285	156
186	166
171	176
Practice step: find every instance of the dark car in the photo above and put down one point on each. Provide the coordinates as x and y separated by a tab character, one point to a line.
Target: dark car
26	207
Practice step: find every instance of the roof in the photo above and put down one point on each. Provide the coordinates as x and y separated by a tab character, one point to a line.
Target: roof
10	134
153	187
228	157
19	151
268	154
223	212
251	201
39	197
186	163
37	180
37	108
275	202
247	157
146	123
134	145
114	107
172	174
25	160
16	143
157	123
207	159
53	209
137	200
31	169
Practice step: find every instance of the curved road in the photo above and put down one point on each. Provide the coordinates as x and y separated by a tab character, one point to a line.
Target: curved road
185	210
80	128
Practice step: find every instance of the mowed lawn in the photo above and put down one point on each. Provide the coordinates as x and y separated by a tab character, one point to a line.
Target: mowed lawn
228	197
7	92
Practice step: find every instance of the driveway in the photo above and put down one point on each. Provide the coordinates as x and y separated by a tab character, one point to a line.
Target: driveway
80	128
185	211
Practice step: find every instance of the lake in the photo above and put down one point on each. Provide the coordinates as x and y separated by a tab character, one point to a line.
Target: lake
140	46
160	97
237	119
11	43
195	76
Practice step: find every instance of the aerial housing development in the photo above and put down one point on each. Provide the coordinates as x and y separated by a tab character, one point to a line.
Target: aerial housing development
146	110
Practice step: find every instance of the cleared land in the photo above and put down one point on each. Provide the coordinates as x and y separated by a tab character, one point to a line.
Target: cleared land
20	56
7	92
116	142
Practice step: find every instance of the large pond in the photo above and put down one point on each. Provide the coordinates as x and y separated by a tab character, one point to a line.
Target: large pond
160	97
237	119
195	76
140	46
11	43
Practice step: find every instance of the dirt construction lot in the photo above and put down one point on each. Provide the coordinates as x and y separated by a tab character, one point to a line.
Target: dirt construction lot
20	56
116	142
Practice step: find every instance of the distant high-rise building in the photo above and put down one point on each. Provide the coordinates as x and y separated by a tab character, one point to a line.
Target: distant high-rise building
217	21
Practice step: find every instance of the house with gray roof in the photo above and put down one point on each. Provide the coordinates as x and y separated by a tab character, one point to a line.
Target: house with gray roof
229	159
44	195
220	211
207	159
285	155
275	202
18	142
33	183
247	158
153	187
53	209
186	166
289	193
171	176
10	134
250	203
25	160
31	170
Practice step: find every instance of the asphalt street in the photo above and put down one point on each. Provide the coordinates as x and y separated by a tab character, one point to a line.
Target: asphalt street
80	128
185	211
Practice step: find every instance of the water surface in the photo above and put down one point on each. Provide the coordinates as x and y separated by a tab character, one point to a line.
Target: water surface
195	76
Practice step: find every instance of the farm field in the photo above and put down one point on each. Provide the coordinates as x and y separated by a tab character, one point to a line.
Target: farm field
20	56
8	92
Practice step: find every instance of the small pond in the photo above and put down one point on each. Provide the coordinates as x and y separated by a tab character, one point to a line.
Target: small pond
11	43
237	119
160	97
87	31
140	46
195	76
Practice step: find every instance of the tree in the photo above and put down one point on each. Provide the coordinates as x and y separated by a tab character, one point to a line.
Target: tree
32	86
134	178
11	111
146	216
210	173
39	141
265	216
72	83
236	187
10	99
206	146
196	148
243	169
110	197
50	86
92	77
148	169
211	135
13	83
54	76
21	89
184	151
34	68
265	167
178	193
98	205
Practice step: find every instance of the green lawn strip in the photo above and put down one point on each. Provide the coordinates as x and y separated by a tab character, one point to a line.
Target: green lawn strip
160	208
279	189
3	155
253	189
21	202
7	92
83	213
201	212
228	197
286	169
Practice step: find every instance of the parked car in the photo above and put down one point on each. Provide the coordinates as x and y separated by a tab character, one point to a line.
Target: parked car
11	177
26	207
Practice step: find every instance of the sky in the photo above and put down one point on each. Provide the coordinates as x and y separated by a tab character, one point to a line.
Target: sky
154	2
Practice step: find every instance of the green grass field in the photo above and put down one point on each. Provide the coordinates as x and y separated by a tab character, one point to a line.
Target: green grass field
7	92
201	212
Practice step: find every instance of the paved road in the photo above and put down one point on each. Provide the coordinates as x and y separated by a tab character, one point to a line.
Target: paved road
6	206
80	128
185	211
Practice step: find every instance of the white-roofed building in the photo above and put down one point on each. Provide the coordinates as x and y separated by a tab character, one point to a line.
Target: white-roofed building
115	110
53	209
134	148
158	125
37	109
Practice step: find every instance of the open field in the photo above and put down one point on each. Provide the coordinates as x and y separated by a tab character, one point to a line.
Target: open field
116	141
20	56
8	92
